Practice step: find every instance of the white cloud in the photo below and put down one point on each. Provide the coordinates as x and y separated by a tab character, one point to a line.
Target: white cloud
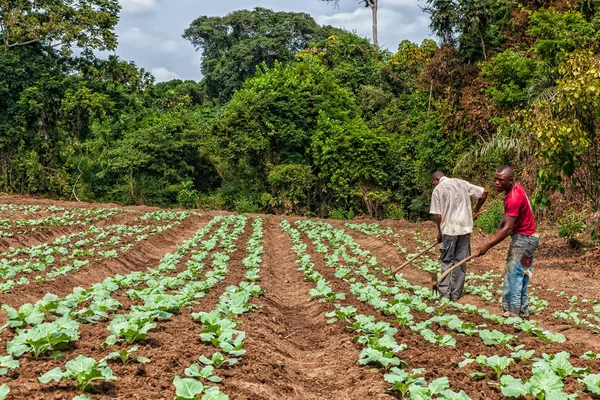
138	39
162	74
137	6
393	24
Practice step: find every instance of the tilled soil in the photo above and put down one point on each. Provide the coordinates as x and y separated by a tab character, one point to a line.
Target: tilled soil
291	350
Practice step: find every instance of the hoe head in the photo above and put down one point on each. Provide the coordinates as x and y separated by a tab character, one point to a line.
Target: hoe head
434	283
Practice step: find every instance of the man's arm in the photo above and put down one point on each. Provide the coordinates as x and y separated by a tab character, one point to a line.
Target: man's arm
438	222
506	227
480	202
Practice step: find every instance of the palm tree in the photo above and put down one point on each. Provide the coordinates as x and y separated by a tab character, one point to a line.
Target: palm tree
373	5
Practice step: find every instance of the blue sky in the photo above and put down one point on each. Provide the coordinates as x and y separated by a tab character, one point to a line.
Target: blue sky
150	30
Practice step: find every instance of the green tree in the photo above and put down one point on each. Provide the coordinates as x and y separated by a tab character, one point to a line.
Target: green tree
557	34
59	24
233	46
511	74
567	129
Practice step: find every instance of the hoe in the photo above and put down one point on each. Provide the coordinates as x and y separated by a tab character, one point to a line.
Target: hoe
434	278
394	272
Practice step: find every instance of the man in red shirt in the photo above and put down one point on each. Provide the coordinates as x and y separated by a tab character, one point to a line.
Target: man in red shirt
519	223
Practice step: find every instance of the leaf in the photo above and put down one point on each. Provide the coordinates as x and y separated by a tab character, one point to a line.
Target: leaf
477	376
142	360
4	391
187	388
214	393
439	385
545	381
512	387
450	395
592	383
55	375
193	371
465	362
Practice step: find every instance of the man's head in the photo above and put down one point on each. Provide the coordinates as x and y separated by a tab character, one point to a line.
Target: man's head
435	177
504	178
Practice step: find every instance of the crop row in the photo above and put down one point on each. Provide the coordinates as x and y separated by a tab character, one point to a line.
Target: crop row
403	306
71	217
157	295
67	254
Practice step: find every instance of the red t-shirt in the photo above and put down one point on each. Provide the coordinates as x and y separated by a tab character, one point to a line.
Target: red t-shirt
516	204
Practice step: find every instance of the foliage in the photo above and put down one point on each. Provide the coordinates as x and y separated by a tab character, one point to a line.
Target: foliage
490	220
83	370
566	127
511	73
558	34
234	45
571	225
59	24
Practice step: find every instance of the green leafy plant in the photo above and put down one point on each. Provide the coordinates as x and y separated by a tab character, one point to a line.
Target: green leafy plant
218	360
206	373
28	314
191	389
83	370
4	391
491	338
402	380
592	383
45	337
131	327
124	355
8	363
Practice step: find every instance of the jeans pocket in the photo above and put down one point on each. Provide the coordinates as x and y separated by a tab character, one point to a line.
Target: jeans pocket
527	259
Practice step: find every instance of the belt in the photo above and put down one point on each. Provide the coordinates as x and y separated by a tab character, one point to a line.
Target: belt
535	235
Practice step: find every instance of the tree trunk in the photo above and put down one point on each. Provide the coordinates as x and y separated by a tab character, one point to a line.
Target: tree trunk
430	96
373	4
482	44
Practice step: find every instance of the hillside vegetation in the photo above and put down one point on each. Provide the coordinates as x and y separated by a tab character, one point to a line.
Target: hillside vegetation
299	118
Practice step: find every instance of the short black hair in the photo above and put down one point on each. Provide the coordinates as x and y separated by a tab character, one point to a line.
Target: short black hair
506	169
437	175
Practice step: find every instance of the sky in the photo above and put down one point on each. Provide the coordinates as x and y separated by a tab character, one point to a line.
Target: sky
150	30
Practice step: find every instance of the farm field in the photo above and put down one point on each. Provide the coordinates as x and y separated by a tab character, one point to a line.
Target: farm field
106	302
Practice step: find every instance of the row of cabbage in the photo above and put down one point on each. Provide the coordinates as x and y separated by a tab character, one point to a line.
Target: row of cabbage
404	301
582	312
51	325
68	253
70	217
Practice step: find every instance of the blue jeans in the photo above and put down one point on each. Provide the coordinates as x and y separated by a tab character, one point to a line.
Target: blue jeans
521	250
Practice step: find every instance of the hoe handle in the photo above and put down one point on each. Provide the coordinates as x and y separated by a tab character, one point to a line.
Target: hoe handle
454	267
394	272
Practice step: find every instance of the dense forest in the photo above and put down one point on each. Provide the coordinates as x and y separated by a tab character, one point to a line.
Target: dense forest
294	117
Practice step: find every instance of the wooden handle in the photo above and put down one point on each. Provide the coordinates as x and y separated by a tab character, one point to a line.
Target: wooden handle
454	267
413	259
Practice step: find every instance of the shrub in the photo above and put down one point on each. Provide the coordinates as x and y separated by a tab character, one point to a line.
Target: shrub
571	225
490	221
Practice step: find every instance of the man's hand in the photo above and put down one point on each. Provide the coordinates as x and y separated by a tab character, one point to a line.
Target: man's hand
483	249
439	237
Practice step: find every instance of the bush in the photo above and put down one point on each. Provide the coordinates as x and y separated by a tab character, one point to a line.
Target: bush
490	221
244	205
571	225
394	211
340	213
212	201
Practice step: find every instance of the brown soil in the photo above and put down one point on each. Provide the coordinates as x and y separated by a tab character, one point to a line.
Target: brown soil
291	351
